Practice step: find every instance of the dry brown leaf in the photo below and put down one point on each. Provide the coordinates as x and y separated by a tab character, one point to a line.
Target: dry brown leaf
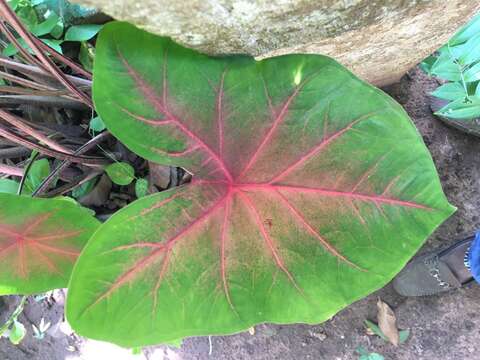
159	176
387	322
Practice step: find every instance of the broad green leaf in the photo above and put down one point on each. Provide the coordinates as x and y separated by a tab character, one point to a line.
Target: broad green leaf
446	68
9	186
310	190
40	239
141	187
450	91
82	32
120	173
47	26
472	74
39	170
461	108
17	332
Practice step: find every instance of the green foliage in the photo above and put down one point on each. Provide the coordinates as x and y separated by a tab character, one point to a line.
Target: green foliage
40	240
303	199
141	188
42	19
403	335
97	125
17	332
82	32
8	186
459	63
120	173
365	355
39	170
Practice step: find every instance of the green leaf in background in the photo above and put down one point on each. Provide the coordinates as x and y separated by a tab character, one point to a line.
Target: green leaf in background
470	50
86	55
446	68
461	108
96	124
11	50
450	91
82	32
303	199
473	73
9	186
40	239
47	26
121	173
365	355
467	31
17	332
39	170
84	189
426	64
141	188
402	334
13	4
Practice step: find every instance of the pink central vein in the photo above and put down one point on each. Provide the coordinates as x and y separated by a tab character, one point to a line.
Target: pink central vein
160	106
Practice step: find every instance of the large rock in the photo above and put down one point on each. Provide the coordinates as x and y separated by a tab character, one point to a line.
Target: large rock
378	39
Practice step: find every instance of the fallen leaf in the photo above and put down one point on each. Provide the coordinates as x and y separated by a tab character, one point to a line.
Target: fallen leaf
251	330
100	193
387	322
159	176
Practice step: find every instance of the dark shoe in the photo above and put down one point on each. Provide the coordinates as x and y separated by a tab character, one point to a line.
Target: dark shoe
435	272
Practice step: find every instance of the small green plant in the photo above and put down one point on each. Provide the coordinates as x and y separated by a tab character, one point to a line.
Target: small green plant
458	63
310	190
52	29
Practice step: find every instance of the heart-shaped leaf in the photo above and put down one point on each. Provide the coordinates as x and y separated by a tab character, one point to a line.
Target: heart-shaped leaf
310	190
40	239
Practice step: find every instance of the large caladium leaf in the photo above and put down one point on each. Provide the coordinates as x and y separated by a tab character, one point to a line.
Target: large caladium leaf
310	190
40	240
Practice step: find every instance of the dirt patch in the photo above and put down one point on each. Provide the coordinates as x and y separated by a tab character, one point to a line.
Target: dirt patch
442	327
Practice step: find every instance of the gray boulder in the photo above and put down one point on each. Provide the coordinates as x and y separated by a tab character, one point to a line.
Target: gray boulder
379	40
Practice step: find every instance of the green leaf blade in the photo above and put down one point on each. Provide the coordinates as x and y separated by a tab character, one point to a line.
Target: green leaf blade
303	198
40	240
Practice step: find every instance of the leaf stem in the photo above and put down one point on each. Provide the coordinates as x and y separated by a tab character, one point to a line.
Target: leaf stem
18	310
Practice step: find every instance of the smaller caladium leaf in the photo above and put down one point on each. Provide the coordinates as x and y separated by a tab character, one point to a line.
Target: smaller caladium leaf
40	240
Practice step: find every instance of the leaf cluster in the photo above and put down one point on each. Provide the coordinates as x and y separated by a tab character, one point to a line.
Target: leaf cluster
458	63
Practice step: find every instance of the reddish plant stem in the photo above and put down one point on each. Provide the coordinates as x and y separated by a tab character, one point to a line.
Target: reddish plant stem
63	59
11	170
35	71
53	153
20	48
24	82
18	123
48	64
83	149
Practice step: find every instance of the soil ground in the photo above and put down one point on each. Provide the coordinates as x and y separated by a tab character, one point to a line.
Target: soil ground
442	327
